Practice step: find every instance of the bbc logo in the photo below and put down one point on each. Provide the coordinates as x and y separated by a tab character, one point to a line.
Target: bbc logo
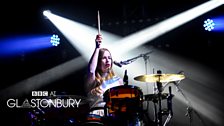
39	93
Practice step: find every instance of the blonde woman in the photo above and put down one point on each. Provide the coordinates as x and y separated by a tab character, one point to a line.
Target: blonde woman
100	76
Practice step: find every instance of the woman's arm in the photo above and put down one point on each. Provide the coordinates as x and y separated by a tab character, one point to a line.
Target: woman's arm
93	61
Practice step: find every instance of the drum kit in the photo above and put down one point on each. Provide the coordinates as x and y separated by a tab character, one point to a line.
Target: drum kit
124	104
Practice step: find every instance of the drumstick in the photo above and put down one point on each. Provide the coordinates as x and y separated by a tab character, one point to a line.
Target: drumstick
98	19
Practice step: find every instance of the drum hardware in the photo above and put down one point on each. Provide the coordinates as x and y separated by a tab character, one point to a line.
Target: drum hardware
169	110
155	97
159	86
145	57
164	111
126	62
161	81
160	78
169	102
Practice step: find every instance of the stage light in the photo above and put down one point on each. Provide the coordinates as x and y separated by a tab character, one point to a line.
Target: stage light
79	35
23	44
55	40
46	12
214	24
209	25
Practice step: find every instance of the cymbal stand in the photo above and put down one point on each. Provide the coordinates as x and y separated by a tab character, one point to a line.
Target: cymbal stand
189	108
167	119
159	87
169	106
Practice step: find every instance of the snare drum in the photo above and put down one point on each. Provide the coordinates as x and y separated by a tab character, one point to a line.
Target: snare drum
123	99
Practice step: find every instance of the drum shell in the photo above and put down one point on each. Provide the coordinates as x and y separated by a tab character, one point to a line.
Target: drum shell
123	99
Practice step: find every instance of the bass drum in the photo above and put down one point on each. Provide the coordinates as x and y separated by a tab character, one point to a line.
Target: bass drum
123	100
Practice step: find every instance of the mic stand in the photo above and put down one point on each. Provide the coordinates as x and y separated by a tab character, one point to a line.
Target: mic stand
189	108
146	58
135	58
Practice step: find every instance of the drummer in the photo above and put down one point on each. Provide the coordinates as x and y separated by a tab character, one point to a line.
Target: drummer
100	77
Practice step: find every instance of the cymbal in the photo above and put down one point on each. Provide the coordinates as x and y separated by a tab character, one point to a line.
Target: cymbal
159	77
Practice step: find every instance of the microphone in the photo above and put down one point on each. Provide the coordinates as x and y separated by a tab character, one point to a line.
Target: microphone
121	63
125	62
117	64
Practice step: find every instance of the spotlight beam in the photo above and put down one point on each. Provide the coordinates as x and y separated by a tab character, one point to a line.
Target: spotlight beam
79	35
136	39
41	79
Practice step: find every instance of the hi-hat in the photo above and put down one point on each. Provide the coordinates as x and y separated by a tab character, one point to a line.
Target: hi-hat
159	77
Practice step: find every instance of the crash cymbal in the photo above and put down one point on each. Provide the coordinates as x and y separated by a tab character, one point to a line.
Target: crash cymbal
160	77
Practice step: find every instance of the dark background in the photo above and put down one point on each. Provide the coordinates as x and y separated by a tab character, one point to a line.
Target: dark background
25	18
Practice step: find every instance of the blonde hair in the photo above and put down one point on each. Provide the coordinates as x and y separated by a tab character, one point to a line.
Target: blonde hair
110	74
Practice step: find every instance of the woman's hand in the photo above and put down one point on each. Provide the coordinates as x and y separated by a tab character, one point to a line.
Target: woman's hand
97	91
98	40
